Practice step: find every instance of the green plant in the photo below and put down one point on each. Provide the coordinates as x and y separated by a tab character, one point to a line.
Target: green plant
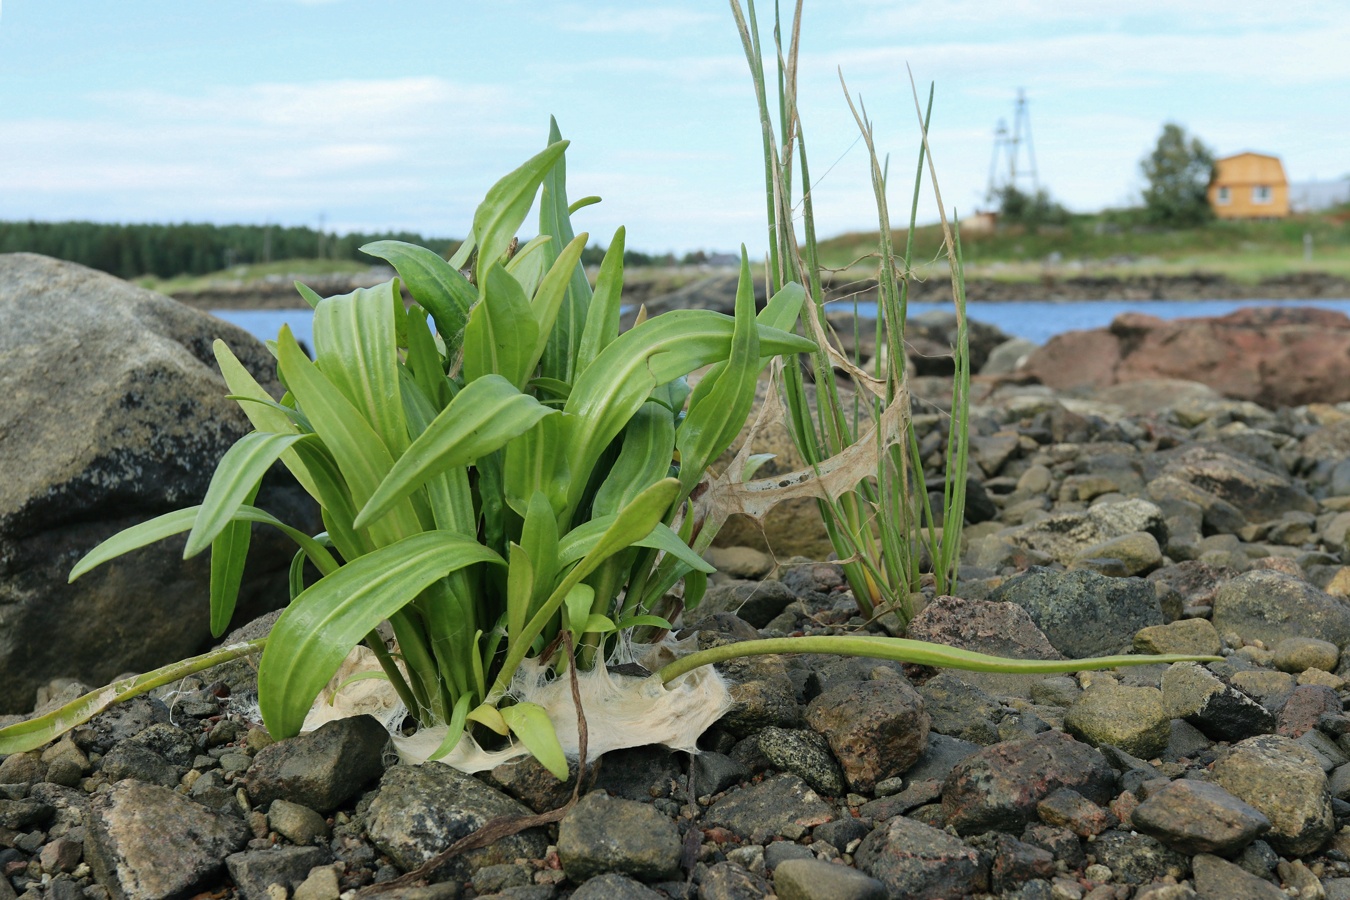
510	493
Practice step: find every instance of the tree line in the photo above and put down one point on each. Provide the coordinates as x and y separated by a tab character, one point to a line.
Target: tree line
167	251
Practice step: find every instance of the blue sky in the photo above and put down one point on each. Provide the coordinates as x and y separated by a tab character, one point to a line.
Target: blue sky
399	114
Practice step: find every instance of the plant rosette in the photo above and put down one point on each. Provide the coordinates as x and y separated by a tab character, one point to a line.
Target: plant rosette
505	482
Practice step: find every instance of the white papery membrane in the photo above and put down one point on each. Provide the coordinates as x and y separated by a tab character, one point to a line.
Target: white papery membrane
621	711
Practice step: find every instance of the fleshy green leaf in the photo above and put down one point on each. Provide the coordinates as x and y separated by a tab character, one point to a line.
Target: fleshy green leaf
322	625
648	444
486	414
602	318
506	205
454	728
433	282
236	479
501	334
530	723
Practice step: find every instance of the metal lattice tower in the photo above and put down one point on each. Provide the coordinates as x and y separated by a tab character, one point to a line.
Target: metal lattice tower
1009	145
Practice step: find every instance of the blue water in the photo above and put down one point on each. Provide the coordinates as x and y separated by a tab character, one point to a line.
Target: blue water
1035	320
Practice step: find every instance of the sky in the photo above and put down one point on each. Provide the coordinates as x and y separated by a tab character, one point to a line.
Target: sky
376	115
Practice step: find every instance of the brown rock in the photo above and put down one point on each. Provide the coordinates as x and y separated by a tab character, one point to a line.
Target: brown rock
877	729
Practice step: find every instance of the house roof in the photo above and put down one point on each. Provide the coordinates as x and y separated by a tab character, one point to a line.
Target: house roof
1249	168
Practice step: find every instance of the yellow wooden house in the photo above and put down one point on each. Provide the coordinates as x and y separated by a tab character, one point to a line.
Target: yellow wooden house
1249	186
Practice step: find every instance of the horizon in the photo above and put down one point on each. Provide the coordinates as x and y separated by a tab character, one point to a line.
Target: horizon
336	115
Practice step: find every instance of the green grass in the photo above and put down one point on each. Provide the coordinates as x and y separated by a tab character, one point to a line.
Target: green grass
1100	245
296	269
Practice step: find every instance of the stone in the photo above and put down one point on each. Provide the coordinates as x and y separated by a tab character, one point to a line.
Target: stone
1275	356
526	779
1198	817
1298	654
812	879
320	884
1066	535
1069	809
320	769
805	754
1222	712
1008	356
1083	614
1187	637
740	562
255	871
775	806
913	860
1307	704
146	842
961	710
728	881
418	811
610	834
1138	553
129	425
1134	858
1286	783
1131	718
999	629
712	772
1270	606
998	787
876	729
297	824
1215	877
757	602
613	886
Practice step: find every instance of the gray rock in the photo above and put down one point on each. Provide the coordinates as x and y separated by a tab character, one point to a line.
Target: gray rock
877	729
1219	473
1190	637
131	760
1081	613
757	602
1198	817
1270	606
813	879
713	772
779	852
914	860
1137	858
1222	712
999	786
639	773
297	824
1063	537
1131	718
611	834
1137	553
805	754
254	871
961	710
940	757
1008	356
321	769
780	805
1286	783
147	842
1215	877
1297	654
728	881
999	629
128	425
613	886
420	810
526	779
762	694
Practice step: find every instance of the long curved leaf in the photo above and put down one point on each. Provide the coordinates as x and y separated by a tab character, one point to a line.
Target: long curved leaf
507	203
602	316
328	619
501	333
433	282
237	476
487	413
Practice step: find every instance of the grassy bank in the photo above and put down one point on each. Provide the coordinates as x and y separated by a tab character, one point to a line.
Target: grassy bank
1103	245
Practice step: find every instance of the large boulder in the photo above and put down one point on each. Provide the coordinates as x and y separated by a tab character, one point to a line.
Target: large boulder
114	412
1275	356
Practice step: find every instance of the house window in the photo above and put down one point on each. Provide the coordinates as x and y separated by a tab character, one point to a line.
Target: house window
1261	193
1224	196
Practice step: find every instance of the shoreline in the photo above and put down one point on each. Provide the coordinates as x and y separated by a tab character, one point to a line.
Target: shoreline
715	289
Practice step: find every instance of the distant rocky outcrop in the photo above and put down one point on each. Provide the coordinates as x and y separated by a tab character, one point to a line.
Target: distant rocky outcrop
113	412
1275	356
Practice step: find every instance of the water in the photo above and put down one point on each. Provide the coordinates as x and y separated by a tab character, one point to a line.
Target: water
1035	320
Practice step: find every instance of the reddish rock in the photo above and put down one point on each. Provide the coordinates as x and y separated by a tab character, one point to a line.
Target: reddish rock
1000	786
877	729
1305	706
1275	356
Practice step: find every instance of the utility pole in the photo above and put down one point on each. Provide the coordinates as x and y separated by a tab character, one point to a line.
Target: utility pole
1009	143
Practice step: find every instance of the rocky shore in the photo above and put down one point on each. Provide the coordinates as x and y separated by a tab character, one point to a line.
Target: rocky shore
1150	515
1158	517
717	289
